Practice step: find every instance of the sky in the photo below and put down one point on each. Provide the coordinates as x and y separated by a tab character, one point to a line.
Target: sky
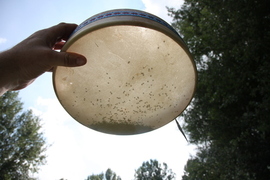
76	151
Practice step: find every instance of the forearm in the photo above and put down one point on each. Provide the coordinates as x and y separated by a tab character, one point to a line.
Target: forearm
7	72
11	72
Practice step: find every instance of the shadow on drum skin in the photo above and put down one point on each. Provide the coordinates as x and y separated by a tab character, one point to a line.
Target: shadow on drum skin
120	128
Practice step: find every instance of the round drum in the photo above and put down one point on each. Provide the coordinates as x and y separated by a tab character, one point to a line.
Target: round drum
139	76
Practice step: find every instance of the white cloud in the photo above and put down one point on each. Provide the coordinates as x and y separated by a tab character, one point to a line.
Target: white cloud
158	7
3	40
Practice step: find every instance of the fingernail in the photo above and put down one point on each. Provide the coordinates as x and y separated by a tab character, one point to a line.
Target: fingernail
80	61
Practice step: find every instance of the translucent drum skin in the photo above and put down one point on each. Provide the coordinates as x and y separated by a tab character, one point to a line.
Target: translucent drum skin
139	76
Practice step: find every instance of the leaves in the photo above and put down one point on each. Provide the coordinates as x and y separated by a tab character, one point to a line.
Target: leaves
229	116
22	145
109	175
154	170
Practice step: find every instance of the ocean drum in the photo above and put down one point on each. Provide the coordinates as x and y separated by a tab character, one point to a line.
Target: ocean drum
139	76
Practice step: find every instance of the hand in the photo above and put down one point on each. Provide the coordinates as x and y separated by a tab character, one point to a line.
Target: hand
22	64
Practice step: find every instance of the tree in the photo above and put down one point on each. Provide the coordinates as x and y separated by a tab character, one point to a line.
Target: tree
109	175
96	177
229	116
22	144
153	170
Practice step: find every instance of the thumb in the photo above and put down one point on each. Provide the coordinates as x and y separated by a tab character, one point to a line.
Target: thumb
68	59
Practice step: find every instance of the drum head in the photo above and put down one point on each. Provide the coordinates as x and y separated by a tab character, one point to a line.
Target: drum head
137	78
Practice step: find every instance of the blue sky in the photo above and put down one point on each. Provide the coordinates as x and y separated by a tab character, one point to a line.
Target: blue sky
75	150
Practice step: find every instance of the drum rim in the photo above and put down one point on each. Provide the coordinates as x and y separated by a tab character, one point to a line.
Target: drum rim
121	20
141	19
124	12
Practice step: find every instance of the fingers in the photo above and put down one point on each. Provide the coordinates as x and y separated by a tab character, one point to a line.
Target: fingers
67	59
58	45
54	37
58	32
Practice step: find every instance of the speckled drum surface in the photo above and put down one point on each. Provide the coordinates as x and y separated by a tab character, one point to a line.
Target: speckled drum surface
139	75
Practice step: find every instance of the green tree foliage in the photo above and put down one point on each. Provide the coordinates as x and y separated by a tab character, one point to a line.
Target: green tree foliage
96	177
109	175
22	144
153	170
229	116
